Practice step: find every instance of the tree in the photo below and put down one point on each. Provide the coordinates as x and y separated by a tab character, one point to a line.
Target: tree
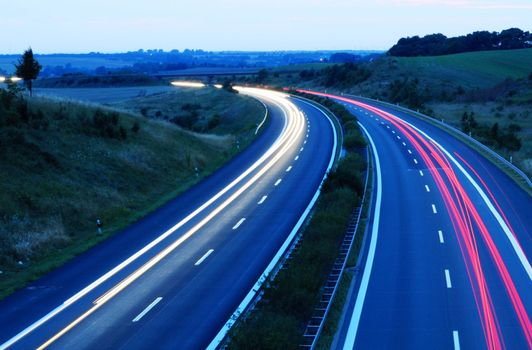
262	75
28	69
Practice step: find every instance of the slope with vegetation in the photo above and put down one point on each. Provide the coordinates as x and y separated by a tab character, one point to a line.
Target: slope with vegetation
65	164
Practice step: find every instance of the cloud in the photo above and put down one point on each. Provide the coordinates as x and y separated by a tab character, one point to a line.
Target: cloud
476	4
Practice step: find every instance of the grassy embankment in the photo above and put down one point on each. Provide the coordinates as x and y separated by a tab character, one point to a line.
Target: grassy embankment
64	164
279	318
492	88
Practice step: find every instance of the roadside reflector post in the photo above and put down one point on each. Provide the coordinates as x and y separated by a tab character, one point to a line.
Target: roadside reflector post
99	226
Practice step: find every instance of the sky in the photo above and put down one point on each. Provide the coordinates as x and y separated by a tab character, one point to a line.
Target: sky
77	26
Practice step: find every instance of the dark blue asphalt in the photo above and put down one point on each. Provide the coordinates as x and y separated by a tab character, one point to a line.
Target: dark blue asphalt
407	304
196	300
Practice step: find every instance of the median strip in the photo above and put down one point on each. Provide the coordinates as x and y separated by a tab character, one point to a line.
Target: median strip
277	318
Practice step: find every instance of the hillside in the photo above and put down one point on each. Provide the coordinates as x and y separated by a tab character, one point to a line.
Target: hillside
492	88
473	69
65	164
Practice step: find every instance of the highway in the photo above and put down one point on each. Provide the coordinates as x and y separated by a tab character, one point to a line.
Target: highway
446	264
173	279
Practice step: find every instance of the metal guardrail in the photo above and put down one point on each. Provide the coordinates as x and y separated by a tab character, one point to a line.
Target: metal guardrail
329	289
460	133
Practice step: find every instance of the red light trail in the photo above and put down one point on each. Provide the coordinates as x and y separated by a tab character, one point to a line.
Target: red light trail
467	224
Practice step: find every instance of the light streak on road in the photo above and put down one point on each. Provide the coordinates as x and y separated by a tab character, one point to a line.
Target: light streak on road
190	84
466	221
292	132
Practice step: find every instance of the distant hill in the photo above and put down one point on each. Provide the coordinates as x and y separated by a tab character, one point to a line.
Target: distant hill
472	69
159	61
439	44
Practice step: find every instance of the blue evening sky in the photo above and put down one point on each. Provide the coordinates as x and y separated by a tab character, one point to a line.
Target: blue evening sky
122	25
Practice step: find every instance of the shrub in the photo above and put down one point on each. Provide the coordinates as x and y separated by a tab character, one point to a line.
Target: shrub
106	124
214	121
136	127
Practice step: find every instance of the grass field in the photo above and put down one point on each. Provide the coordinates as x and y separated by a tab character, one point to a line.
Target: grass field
102	95
473	69
64	164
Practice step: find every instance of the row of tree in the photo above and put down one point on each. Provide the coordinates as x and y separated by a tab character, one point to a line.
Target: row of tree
439	44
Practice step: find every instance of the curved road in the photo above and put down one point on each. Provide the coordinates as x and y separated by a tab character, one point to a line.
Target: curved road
173	279
447	264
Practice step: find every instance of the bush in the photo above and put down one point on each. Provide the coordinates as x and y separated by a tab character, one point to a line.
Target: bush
106	124
353	141
187	121
214	121
136	127
407	92
345	75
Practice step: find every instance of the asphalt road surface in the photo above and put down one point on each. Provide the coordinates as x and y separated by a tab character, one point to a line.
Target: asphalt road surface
173	279
447	259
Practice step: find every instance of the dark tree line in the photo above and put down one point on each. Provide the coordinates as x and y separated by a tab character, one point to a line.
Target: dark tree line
344	75
439	44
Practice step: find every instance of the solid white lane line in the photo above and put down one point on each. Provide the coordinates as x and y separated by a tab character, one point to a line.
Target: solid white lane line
239	223
415	160
434	209
289	168
359	303
421	172
440	234
205	256
147	309
409	151
262	199
427	188
448	279
404	144
277	182
296	158
456	340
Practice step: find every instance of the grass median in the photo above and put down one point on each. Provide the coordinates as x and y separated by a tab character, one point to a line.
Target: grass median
279	318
